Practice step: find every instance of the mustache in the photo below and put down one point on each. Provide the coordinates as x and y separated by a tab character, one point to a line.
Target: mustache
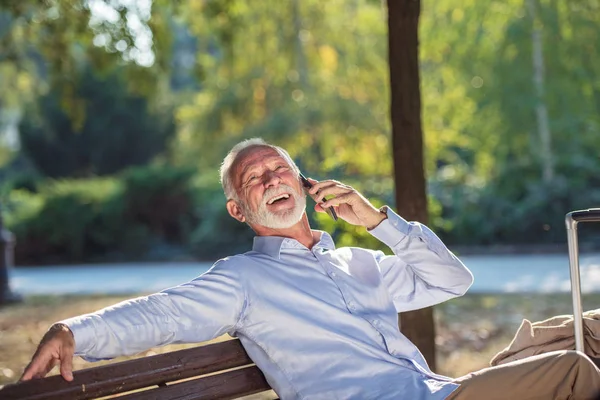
280	189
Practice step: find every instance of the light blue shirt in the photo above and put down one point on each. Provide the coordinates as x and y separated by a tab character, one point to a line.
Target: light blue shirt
320	323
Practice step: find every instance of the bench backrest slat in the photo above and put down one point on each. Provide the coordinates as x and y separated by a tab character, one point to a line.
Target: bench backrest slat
228	385
133	374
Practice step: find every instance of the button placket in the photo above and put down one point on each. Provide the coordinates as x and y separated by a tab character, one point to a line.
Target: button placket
326	265
330	269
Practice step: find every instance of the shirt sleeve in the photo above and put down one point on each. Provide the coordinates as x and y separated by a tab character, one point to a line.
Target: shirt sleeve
422	272
199	310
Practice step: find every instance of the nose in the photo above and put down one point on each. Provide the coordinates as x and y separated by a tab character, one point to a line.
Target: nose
271	178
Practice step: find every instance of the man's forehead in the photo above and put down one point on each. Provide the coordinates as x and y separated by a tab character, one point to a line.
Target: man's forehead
252	155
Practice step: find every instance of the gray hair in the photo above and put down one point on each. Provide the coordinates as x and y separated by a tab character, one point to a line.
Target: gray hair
230	158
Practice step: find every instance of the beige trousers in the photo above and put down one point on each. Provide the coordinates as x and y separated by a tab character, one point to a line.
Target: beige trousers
555	375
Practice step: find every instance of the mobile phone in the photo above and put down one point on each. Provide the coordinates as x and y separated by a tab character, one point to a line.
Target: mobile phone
307	185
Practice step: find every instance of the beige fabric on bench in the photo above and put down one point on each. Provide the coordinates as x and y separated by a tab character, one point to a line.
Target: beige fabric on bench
552	334
558	375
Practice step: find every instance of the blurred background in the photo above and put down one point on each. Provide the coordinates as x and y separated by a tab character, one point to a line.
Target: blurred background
115	116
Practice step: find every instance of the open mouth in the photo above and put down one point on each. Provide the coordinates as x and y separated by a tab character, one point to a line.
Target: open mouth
280	198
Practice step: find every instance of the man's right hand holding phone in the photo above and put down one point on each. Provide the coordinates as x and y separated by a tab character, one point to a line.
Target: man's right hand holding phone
347	202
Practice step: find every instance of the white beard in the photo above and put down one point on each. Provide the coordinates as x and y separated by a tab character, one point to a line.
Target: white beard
280	220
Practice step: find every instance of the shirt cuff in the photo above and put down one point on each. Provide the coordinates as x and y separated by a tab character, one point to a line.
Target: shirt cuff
392	230
83	333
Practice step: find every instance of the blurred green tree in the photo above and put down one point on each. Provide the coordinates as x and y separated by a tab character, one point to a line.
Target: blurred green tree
117	129
481	100
312	76
45	40
295	72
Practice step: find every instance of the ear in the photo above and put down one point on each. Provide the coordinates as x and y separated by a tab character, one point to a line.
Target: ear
235	211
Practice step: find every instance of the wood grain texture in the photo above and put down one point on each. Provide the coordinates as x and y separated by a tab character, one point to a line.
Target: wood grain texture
228	385
136	374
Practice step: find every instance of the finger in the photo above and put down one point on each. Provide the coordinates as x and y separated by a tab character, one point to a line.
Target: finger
336	201
35	367
27	374
66	364
330	191
318	185
312	182
47	368
320	209
39	375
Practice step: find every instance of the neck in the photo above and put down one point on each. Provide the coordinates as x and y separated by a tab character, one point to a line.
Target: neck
300	231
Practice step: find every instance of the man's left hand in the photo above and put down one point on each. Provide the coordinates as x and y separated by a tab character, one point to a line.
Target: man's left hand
348	203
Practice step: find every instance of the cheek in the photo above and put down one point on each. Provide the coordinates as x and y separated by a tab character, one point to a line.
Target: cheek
298	187
253	195
291	179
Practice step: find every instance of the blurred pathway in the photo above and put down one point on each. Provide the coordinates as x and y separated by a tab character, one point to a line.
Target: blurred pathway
493	274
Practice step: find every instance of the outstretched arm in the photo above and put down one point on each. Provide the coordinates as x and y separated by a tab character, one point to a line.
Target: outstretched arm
202	309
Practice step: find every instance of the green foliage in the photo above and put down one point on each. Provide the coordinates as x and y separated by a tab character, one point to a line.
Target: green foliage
484	161
66	219
139	214
24	181
516	211
115	129
320	97
22	208
5	156
311	76
161	199
44	41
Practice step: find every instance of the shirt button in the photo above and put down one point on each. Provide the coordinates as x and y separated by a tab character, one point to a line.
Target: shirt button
351	305
333	274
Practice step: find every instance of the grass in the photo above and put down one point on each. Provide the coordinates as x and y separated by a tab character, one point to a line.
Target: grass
470	329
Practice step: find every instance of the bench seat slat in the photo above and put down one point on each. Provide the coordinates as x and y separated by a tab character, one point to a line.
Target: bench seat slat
228	385
132	374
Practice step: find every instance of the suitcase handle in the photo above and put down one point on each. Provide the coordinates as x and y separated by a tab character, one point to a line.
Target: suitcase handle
571	221
589	215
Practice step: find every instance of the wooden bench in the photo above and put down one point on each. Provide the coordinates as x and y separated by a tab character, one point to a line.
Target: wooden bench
216	371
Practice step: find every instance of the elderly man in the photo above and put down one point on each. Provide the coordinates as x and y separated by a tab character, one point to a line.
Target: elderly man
320	322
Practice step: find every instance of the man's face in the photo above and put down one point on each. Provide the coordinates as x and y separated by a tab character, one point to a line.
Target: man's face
268	189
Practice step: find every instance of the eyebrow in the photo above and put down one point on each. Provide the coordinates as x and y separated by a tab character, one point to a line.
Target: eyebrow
251	167
245	171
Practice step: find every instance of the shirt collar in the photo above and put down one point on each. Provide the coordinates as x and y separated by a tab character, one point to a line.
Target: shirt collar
272	245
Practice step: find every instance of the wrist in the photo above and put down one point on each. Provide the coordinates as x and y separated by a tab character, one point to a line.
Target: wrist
378	218
60	328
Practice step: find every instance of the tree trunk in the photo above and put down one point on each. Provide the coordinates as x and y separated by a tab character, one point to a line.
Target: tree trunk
407	142
7	296
300	57
541	111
